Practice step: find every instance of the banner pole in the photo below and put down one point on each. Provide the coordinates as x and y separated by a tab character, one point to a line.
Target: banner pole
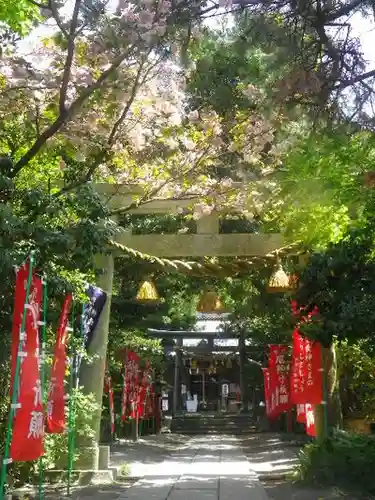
71	422
325	392
76	363
43	376
6	460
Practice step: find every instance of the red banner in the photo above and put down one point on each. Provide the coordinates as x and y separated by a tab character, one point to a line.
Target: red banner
109	390
279	379
306	373
19	304
56	394
130	389
301	414
267	399
310	420
144	391
28	423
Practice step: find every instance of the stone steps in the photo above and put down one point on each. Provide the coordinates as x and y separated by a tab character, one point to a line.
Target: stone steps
213	424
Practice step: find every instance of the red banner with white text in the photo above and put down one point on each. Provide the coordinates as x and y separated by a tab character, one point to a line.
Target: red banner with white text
130	396
310	420
28	423
306	373
19	304
144	391
301	414
267	398
279	379
56	393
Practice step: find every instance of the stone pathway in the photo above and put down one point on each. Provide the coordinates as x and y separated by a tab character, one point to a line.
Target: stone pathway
269	455
204	468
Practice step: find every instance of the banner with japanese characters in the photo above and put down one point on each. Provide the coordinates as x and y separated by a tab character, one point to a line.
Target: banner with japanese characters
130	393
18	308
278	367
56	393
144	391
301	414
267	399
310	420
306	371
91	313
108	388
28	422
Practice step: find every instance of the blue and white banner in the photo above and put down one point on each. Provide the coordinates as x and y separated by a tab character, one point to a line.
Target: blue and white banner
91	312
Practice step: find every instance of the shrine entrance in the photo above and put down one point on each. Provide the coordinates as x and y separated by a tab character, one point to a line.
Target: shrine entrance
214	381
205	365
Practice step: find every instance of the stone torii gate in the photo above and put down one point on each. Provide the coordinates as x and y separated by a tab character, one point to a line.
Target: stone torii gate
207	242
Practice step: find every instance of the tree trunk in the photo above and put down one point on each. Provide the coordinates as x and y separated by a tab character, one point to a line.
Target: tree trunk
335	417
243	381
329	415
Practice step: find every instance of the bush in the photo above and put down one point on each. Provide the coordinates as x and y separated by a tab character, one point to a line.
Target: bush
56	445
346	460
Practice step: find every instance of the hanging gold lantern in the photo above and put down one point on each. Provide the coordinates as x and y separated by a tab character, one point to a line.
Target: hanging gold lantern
211	369
147	292
279	281
210	303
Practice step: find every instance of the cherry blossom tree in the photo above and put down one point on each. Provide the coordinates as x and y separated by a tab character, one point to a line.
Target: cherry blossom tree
110	104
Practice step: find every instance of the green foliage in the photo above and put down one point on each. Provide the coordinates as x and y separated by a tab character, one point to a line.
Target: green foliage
322	186
19	15
356	369
340	283
346	460
265	317
255	51
57	444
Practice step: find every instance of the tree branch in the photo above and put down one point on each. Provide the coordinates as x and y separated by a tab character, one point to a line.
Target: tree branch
130	101
37	4
99	158
68	114
356	79
342	11
56	17
69	56
148	197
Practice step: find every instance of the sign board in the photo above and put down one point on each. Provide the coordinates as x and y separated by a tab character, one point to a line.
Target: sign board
225	389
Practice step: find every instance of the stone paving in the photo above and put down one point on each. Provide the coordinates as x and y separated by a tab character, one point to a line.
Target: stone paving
270	455
204	468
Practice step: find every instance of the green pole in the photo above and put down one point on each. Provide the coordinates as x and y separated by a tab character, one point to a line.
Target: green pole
71	419
43	377
325	393
74	383
8	438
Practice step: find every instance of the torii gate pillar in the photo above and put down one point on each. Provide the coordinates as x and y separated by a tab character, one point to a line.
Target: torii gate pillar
92	373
